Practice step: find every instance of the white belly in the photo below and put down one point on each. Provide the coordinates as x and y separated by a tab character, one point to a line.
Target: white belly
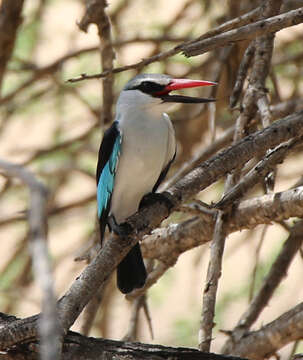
144	154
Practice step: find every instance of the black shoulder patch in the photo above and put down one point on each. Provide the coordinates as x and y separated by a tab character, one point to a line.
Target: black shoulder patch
106	147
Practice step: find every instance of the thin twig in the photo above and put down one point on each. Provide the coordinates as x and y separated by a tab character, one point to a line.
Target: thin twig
222	141
144	62
95	13
153	277
211	285
132	332
270	25
252	286
91	309
193	48
242	74
244	19
254	176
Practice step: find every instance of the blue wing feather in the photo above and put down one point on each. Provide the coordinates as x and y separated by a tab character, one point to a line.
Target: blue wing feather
108	158
107	178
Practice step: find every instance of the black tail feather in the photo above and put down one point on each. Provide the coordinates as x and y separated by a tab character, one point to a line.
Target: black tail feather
131	272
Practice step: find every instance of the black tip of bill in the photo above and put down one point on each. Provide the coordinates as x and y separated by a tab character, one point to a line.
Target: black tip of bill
185	99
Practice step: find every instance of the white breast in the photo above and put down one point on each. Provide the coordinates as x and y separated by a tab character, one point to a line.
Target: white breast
148	144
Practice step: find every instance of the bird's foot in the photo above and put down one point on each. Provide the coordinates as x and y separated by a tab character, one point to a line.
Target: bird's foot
123	229
153	198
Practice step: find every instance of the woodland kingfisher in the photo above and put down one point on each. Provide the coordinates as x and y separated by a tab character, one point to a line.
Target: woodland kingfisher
134	158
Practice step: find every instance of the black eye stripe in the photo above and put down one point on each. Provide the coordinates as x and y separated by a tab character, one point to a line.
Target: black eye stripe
150	87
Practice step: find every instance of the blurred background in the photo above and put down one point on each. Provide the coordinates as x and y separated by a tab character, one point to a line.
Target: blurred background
53	128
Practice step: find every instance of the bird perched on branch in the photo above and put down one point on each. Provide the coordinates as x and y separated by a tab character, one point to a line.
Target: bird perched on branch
134	157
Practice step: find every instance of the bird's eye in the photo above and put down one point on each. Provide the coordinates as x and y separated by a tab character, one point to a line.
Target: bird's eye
146	85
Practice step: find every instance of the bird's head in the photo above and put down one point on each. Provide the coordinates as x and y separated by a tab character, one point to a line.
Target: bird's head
148	90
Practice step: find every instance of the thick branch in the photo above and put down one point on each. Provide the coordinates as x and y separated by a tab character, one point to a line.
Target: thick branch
49	326
270	25
261	344
236	156
10	19
82	290
167	244
276	274
81	347
113	251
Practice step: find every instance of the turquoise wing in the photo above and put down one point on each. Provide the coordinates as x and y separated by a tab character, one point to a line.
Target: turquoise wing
109	154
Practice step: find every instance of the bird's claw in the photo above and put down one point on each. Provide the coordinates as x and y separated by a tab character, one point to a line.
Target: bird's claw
123	229
153	198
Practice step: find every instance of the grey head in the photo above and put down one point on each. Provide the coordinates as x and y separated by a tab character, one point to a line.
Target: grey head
160	85
149	83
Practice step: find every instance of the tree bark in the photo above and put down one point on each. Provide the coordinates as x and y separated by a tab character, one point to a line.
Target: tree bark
10	19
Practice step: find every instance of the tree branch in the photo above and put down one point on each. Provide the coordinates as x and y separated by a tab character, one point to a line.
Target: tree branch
49	328
10	19
178	238
269	25
80	347
255	175
83	288
276	274
258	345
197	47
95	13
113	251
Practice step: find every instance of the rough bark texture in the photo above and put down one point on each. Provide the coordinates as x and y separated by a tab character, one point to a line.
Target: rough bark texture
80	347
10	19
83	288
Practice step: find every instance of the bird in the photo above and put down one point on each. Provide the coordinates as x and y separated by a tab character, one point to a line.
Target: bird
135	155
